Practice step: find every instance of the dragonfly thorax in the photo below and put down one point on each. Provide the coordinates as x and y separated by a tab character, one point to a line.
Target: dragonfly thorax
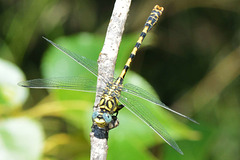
108	105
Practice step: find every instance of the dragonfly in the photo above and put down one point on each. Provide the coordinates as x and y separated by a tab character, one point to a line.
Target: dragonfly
115	92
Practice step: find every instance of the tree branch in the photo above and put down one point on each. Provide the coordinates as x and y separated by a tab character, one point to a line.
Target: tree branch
106	66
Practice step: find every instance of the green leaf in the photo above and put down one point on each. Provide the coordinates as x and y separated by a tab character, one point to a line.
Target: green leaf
126	46
57	64
21	139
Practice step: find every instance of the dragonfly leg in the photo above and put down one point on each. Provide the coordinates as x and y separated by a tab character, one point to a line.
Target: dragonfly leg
119	107
114	123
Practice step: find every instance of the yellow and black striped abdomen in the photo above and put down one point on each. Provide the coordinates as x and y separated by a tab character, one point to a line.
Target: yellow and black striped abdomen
152	19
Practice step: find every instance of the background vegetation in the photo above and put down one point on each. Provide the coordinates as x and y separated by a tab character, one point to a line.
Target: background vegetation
191	59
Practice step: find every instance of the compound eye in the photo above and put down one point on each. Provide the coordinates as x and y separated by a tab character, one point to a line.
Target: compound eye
94	115
107	117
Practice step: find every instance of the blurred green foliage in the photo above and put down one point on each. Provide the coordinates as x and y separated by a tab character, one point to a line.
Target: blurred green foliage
191	58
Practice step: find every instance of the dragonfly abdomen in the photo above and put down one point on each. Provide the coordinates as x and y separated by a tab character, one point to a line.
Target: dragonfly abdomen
151	21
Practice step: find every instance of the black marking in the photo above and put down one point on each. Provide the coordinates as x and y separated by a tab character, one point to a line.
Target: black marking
115	101
155	17
149	25
120	79
143	34
119	107
153	21
100	133
126	68
149	18
132	55
157	12
138	44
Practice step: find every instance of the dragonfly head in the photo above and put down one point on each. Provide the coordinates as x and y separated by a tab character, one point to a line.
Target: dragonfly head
101	119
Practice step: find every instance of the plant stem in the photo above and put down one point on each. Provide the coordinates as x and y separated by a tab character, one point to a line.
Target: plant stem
106	66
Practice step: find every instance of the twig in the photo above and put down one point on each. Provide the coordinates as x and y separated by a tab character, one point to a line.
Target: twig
106	66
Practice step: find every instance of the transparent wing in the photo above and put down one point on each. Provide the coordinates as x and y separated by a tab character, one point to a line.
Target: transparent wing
129	101
83	61
141	93
67	83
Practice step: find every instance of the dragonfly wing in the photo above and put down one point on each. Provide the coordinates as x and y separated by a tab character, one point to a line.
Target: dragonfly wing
83	61
68	83
141	93
148	117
